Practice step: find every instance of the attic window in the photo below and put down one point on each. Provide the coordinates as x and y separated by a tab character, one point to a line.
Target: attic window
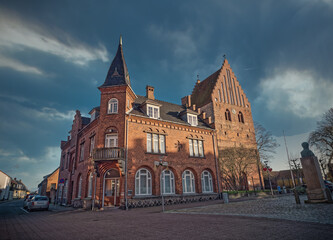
192	120
153	111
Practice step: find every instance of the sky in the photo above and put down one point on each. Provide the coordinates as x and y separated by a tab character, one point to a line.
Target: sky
54	55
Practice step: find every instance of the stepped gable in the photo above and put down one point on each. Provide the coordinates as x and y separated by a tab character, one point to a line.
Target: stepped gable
118	73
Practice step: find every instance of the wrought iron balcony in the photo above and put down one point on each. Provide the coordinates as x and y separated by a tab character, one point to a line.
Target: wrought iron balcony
104	154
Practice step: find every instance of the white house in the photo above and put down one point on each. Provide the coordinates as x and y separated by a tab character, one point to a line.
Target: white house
5	182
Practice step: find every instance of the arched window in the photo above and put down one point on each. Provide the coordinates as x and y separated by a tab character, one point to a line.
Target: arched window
206	182
90	182
142	182
113	106
79	187
168	182
240	117
227	115
188	182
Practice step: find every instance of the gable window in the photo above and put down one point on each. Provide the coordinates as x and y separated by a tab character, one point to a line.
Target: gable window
168	182
153	112
142	182
196	148
227	115
206	182
113	106
188	182
240	117
155	143
192	119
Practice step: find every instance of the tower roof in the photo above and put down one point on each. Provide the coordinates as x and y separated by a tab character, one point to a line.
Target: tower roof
118	73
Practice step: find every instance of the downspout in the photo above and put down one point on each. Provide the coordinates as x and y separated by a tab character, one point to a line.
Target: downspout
216	167
126	197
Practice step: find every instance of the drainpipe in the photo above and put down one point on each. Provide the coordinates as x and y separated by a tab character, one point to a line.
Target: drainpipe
216	167
125	195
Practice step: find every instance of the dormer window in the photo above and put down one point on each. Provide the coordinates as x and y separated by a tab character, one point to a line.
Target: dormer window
192	119
113	106
153	111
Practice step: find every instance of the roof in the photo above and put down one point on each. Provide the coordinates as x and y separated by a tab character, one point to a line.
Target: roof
85	120
95	109
118	73
202	91
168	111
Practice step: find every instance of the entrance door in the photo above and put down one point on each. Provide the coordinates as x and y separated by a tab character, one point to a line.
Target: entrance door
111	192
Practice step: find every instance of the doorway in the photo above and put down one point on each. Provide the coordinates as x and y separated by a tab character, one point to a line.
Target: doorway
111	188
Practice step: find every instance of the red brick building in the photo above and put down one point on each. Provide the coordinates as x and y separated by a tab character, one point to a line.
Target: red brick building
166	148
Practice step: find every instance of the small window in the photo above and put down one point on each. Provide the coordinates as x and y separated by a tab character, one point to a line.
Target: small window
240	117
142	182
153	112
192	119
113	106
188	182
227	115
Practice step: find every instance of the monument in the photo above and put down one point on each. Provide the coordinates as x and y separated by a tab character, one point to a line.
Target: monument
314	180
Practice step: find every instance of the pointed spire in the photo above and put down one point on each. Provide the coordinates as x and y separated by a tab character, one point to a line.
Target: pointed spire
118	73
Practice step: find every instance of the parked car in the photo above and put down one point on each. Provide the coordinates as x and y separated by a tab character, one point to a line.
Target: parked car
329	185
38	202
27	199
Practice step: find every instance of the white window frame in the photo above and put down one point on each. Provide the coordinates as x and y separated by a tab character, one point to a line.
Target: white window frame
113	106
171	182
196	148
191	187
206	175
90	182
155	143
153	111
81	152
192	119
148	183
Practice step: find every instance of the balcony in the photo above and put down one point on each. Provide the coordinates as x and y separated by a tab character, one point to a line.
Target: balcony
105	154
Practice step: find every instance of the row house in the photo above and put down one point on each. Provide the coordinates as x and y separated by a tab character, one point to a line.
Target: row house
134	149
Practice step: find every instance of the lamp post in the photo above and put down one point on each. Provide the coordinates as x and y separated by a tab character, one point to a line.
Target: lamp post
157	164
267	168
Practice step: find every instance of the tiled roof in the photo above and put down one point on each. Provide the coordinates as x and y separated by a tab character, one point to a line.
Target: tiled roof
118	73
168	111
202	91
85	120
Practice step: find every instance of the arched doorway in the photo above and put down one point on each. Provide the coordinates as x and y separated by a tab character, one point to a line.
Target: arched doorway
111	188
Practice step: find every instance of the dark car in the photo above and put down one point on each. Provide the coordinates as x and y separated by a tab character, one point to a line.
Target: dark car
38	202
329	185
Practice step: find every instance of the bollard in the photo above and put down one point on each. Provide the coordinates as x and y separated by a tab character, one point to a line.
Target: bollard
298	201
225	198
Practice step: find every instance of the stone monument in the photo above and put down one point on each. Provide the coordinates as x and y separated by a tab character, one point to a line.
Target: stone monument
314	180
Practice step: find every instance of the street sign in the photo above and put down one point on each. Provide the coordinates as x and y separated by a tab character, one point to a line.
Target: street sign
61	180
265	169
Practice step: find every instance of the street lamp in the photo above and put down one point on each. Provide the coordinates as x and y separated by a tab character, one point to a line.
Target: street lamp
164	164
269	178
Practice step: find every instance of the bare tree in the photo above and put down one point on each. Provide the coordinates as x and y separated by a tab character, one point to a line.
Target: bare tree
236	164
295	164
266	145
322	138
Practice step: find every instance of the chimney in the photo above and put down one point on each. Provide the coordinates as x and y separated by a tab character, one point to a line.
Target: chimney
186	101
193	107
150	92
199	110
209	120
203	115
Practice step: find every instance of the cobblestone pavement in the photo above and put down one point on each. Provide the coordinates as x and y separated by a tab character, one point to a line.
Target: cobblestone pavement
281	207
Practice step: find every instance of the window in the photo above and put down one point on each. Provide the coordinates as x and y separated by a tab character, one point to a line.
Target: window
188	182
206	182
227	115
192	119
90	182
226	88
233	80
79	187
240	117
113	106
152	111
143	182
196	148
219	91
230	88
168	182
222	88
155	143
92	145
111	140
81	152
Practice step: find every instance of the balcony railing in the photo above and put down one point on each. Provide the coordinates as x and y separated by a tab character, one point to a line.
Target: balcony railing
103	154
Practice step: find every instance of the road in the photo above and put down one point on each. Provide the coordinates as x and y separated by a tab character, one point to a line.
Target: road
148	223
